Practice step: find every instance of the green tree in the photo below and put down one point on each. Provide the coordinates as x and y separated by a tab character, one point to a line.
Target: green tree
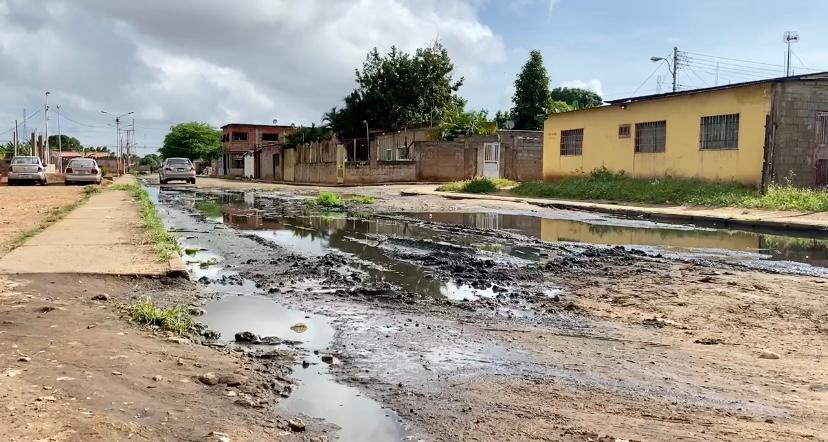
192	140
577	98
458	121
531	100
65	142
152	160
398	90
7	150
502	119
306	134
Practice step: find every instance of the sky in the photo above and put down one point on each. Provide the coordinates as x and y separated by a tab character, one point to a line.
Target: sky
253	61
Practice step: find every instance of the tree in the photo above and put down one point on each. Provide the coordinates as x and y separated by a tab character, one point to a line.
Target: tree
458	121
192	140
65	142
502	119
306	134
152	160
398	90
577	98
531	100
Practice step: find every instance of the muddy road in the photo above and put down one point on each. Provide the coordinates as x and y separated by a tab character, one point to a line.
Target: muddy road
426	319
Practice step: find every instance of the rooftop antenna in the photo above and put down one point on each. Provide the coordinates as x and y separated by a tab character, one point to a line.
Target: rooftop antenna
790	37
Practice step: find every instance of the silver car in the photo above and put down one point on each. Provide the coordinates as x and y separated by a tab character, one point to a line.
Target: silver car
177	169
27	170
82	170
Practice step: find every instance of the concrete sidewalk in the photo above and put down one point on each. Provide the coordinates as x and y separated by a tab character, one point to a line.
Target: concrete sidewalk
105	235
728	216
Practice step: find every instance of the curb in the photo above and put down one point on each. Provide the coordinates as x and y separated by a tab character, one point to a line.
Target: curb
633	212
177	268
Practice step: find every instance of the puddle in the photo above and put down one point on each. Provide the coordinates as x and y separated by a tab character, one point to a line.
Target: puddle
812	251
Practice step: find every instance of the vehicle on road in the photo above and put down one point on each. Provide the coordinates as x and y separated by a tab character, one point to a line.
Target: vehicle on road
27	169
82	170
177	169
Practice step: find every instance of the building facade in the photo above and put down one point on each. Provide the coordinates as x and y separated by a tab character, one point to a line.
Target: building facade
240	141
753	133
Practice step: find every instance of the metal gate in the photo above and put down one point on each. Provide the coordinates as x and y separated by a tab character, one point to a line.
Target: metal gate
340	164
821	151
491	160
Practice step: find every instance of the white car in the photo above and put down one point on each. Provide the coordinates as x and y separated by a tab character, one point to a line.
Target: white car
27	169
82	170
177	169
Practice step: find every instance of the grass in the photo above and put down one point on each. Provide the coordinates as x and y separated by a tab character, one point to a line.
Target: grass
363	199
478	185
330	200
175	319
165	243
602	184
208	263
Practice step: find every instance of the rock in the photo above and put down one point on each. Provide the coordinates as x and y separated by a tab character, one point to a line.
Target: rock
328	359
299	327
271	340
708	341
232	379
247	336
197	311
210	335
117	373
767	354
101	297
180	361
208	379
218	437
157	378
296	425
245	402
231	393
660	323
46	399
24	359
178	340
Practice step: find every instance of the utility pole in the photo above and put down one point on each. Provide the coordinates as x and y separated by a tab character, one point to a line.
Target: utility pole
16	138
119	159
60	143
675	68
790	37
46	128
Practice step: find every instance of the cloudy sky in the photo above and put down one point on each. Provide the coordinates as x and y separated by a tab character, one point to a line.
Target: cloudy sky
224	61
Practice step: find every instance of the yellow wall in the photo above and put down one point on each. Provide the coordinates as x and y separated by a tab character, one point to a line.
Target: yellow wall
682	156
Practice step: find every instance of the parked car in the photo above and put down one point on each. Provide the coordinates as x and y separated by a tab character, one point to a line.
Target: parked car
27	170
177	169
82	170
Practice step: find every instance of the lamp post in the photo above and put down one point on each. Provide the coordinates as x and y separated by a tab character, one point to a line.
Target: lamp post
46	128
367	136
672	67
60	143
118	136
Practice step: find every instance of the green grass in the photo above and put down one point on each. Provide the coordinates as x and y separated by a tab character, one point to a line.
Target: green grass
363	199
330	200
602	184
175	319
165	242
478	185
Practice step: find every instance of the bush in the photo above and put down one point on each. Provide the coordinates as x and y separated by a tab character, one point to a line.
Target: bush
363	199
477	185
175	319
330	200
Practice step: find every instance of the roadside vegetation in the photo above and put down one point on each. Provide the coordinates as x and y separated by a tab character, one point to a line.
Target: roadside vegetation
605	185
165	243
176	319
478	185
333	200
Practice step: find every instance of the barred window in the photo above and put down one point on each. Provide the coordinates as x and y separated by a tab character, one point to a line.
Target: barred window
624	131
572	142
822	128
720	132
651	137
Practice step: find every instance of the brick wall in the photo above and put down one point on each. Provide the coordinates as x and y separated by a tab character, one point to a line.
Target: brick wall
321	173
793	147
521	155
383	172
440	160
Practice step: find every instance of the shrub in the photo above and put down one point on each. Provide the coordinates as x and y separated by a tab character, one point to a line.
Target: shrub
175	319
330	200
363	199
477	185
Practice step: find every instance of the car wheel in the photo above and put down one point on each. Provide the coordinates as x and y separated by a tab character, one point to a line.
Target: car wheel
192	181
11	183
42	182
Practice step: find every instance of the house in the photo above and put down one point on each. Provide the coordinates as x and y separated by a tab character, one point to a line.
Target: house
246	146
754	133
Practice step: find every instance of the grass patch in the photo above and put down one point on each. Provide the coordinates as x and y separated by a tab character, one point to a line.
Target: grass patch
165	242
176	319
330	200
208	263
602	184
363	199
478	185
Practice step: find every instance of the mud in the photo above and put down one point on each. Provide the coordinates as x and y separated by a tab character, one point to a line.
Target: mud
467	329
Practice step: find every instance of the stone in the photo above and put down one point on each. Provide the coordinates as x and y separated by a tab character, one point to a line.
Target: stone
117	373
197	311
24	359
208	379
178	340
245	402
46	399
231	393
102	297
328	359
247	336
218	437
180	361
232	379
299	327
211	335
296	425
767	354
157	378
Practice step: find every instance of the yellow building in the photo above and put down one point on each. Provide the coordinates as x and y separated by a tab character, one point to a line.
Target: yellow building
717	133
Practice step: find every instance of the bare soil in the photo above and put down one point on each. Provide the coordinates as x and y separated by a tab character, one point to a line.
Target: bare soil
25	207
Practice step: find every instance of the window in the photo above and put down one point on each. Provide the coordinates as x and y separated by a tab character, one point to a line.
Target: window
239	136
572	142
719	132
270	137
237	161
624	131
650	137
491	152
822	128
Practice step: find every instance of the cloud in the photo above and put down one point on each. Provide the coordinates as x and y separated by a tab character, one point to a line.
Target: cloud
213	61
592	85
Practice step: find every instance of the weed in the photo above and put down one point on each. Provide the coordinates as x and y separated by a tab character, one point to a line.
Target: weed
175	319
190	252
208	262
165	242
90	190
478	185
363	199
330	200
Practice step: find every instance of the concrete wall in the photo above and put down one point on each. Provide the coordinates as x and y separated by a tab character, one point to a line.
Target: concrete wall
602	146
521	155
440	160
321	173
794	151
384	172
269	156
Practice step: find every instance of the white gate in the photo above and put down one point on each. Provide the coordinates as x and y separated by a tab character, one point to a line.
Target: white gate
491	160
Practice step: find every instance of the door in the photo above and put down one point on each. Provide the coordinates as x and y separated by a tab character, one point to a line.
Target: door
491	160
340	164
821	151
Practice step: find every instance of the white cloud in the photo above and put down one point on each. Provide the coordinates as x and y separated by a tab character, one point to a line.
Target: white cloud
592	85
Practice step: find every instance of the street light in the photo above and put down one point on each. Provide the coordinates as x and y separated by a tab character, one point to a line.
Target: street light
367	136
118	135
46	127
672	67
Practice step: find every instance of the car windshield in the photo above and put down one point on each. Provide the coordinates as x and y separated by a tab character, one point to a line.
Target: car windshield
178	162
25	160
81	163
